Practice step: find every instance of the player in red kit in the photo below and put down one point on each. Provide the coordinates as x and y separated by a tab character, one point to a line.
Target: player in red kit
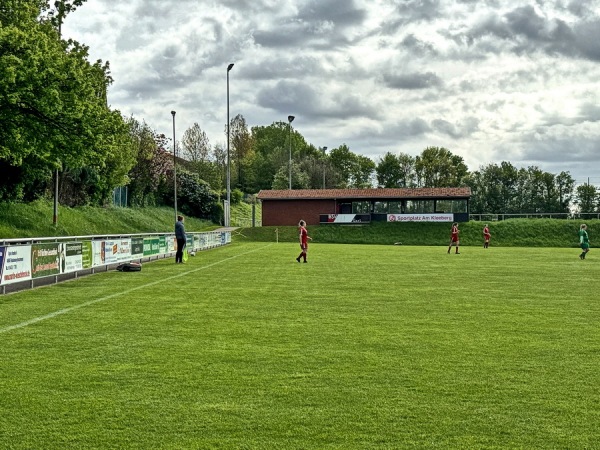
486	236
454	238
303	237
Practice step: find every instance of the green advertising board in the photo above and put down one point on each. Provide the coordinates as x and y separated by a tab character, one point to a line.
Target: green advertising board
137	246
45	260
86	254
151	246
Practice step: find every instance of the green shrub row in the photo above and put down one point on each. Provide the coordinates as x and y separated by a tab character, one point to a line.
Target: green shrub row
508	233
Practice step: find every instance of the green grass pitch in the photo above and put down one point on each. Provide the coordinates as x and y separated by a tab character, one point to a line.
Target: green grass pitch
363	347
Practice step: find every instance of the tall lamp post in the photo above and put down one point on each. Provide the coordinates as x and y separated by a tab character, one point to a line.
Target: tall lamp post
61	15
228	210
324	150
174	166
290	120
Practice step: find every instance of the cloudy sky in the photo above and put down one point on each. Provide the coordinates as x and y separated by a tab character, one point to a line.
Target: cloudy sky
490	80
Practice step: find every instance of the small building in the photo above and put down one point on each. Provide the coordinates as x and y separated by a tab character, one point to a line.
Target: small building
320	206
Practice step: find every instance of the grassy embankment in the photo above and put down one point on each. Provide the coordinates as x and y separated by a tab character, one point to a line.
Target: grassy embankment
35	220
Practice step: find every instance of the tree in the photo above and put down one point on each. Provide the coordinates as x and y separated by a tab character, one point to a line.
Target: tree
56	11
388	171
18	12
508	176
438	167
540	191
354	170
314	169
53	101
197	150
271	149
94	183
493	188
153	169
477	202
219	158
362	173
587	198
195	144
269	155
396	171
532	187
195	196
565	185
300	179
333	178
25	182
343	160
240	146
407	171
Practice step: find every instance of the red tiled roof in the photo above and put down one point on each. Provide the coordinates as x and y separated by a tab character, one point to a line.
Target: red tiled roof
319	194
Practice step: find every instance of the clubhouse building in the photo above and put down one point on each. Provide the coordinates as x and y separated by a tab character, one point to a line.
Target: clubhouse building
358	206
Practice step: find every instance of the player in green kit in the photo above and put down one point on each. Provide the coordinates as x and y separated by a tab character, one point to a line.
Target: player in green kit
584	241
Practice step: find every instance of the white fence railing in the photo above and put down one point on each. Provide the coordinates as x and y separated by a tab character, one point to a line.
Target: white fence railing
566	216
29	262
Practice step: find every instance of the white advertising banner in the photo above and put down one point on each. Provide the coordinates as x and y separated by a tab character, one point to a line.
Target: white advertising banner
111	252
73	256
17	264
171	244
348	218
124	249
342	218
97	253
2	253
420	217
203	241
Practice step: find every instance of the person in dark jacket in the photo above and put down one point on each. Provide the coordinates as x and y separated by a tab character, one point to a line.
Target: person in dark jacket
180	236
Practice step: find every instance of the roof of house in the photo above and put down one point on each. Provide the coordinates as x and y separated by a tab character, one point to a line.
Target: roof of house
381	193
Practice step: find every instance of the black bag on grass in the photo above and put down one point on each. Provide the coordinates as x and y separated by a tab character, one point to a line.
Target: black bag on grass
129	267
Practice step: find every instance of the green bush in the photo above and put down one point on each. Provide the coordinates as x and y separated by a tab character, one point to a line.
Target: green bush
236	197
195	196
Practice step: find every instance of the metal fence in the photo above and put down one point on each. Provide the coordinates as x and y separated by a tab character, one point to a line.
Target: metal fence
120	196
32	262
565	216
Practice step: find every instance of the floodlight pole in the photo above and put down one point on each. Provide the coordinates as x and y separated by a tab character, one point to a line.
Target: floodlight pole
174	166
61	15
324	150
228	210
290	120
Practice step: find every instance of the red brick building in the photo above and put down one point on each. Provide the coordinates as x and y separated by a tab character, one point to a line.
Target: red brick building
287	207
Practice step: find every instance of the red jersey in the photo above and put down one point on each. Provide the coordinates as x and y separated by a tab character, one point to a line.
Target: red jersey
454	236
303	236
486	232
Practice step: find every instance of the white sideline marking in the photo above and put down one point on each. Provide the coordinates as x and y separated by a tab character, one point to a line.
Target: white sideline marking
108	297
